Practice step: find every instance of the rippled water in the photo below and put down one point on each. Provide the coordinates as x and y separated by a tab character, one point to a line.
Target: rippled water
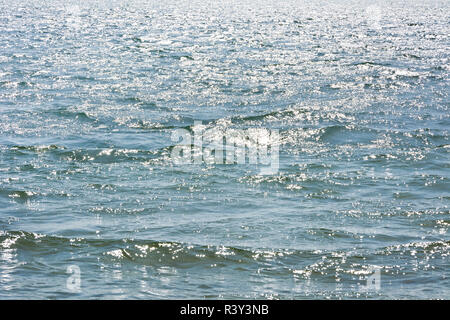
91	91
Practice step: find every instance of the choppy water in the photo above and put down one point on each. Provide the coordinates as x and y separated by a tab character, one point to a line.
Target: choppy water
90	93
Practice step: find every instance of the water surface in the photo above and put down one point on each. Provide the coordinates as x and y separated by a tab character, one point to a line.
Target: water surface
91	91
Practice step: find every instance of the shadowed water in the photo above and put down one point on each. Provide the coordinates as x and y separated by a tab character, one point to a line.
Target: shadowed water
91	91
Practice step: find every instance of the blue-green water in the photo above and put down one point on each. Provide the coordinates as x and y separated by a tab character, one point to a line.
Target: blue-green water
91	91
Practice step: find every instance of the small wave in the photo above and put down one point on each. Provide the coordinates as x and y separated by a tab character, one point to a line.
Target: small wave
73	115
144	251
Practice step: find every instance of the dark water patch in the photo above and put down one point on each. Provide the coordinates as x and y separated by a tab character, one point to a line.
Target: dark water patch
349	134
18	195
37	149
75	115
